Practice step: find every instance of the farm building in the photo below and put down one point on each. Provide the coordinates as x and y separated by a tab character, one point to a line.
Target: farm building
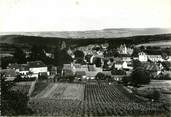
34	67
37	68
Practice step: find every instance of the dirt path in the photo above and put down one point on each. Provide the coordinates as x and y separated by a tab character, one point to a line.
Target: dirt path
42	93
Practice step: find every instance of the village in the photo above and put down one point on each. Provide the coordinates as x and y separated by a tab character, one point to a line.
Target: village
90	60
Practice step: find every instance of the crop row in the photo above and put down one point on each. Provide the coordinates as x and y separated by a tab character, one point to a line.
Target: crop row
99	100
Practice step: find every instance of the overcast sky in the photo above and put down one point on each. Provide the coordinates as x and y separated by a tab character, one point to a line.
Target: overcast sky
64	15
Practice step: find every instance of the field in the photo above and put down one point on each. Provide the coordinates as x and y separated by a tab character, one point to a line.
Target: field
163	86
157	43
90	99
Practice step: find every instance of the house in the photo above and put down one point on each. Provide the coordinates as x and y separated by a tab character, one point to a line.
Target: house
123	65
91	67
67	73
169	58
67	66
105	45
155	58
126	58
37	68
142	57
9	74
53	70
14	66
80	74
23	70
118	65
31	69
79	67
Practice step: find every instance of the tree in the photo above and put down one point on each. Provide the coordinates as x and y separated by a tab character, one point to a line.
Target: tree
156	95
118	72
62	57
19	56
115	53
136	64
80	61
164	55
142	48
97	62
79	54
13	102
126	80
140	76
5	61
166	65
136	51
100	76
37	53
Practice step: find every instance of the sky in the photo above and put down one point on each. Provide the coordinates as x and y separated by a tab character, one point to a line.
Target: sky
79	15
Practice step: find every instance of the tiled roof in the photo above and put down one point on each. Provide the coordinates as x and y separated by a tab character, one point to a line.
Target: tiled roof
67	67
9	72
68	72
119	62
35	64
77	66
80	73
91	68
14	66
150	66
23	68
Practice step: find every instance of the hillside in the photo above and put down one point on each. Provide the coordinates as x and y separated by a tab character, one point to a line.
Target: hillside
105	33
114	37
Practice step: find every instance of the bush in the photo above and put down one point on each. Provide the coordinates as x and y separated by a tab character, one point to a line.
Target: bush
126	80
100	76
163	77
42	77
155	95
118	72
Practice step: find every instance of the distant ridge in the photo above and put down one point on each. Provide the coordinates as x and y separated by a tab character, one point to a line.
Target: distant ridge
105	33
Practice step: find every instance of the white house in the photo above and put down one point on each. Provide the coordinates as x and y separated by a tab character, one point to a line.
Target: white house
23	70
122	65
127	59
142	57
155	58
37	67
119	65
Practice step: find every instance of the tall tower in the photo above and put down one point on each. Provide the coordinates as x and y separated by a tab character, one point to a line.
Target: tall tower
63	45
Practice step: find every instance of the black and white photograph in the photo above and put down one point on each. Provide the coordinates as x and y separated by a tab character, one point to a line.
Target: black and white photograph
85	58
